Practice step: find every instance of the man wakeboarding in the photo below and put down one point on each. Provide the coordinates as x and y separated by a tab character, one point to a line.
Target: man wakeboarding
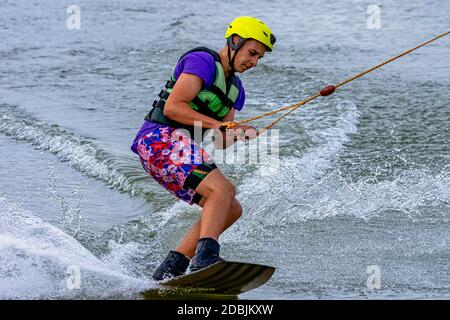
203	88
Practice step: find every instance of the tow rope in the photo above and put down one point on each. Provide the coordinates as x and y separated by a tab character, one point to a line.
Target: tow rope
327	90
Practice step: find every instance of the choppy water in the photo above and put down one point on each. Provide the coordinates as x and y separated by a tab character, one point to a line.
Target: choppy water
364	174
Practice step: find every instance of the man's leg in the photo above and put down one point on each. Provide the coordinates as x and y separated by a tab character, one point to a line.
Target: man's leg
188	244
219	194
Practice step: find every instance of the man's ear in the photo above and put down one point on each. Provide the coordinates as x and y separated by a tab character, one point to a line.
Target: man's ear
235	39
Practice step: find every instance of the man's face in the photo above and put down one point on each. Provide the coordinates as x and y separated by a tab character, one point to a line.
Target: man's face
249	55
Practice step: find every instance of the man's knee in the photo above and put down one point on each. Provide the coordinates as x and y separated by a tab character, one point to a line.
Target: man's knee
230	189
236	210
216	183
224	188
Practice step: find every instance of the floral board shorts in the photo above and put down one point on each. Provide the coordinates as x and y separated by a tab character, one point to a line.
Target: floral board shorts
175	161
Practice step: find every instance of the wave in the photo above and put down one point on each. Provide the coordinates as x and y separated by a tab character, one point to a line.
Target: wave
38	260
311	186
271	195
79	152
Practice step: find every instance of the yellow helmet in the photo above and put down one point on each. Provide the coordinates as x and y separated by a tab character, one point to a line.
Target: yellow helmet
251	28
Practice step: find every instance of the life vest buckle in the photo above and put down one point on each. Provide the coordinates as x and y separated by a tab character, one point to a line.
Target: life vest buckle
169	84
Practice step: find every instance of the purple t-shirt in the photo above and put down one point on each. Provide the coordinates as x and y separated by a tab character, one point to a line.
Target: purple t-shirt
202	65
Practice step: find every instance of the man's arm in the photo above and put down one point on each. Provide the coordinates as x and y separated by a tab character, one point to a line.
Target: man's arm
177	108
242	132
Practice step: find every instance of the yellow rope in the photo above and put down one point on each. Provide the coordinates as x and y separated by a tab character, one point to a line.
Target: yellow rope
340	84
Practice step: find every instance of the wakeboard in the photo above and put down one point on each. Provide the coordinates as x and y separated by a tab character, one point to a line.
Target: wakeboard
221	278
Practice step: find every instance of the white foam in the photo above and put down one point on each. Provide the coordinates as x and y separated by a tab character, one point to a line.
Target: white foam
296	173
409	193
36	259
309	187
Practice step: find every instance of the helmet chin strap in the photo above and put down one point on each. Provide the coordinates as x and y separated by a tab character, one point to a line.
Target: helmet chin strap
236	48
231	61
